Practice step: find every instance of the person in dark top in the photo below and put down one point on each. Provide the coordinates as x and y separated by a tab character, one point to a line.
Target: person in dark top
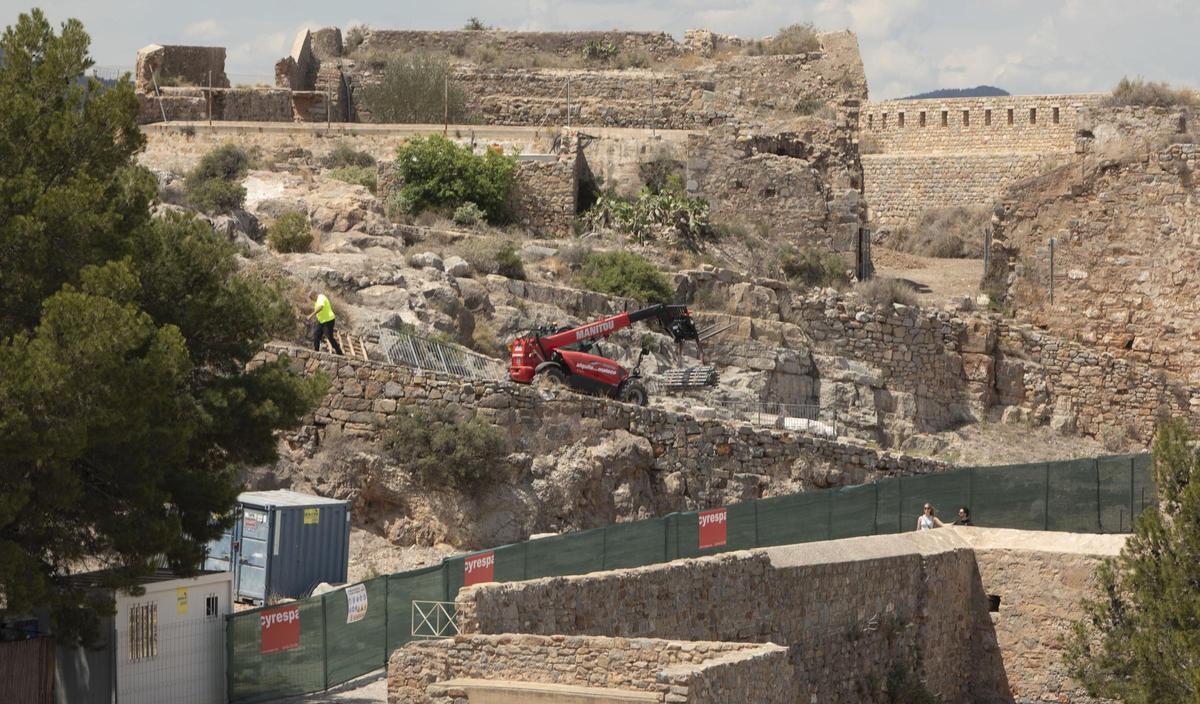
964	517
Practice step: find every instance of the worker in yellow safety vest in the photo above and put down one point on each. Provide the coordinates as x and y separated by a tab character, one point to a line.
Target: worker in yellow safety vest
323	310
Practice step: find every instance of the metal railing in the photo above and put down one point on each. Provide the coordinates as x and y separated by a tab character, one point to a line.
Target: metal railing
423	353
434	619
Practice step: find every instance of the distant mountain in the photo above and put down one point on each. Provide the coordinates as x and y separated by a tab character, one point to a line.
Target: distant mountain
976	92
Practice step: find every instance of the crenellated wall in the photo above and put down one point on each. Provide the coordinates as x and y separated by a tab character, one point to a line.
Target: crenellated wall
939	153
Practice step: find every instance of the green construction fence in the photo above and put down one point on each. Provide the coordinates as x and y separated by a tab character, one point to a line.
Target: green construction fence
314	644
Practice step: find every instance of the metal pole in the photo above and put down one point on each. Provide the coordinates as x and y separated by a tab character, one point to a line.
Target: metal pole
158	92
387	580
324	644
328	116
568	102
1051	271
987	249
209	94
446	106
1046	501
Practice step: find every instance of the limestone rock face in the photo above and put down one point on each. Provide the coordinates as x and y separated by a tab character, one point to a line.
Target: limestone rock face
597	480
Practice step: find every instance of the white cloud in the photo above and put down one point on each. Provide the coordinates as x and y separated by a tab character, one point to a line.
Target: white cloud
204	29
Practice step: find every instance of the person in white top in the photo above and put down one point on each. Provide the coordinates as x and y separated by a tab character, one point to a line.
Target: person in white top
928	520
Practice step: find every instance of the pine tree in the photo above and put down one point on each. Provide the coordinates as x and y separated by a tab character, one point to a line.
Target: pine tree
126	402
1140	639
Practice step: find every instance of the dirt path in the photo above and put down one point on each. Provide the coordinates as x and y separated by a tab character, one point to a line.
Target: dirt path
938	281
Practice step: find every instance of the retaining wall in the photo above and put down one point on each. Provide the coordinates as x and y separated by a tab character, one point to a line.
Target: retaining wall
673	671
853	613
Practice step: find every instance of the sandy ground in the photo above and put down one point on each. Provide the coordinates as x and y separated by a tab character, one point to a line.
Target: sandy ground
368	689
938	281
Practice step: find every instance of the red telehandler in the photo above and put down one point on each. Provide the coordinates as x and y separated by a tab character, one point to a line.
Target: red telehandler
563	355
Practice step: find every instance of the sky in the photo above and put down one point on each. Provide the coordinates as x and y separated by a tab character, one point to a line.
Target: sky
908	46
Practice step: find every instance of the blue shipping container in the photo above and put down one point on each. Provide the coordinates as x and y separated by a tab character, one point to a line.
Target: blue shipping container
283	543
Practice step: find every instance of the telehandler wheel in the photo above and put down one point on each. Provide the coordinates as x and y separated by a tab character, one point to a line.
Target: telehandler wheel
635	393
551	378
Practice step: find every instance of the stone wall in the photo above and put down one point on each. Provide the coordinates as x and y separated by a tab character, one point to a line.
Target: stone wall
1020	123
657	45
806	185
741	89
171	65
675	671
853	613
1040	579
1126	224
927	370
849	611
901	186
938	153
234	105
701	463
546	192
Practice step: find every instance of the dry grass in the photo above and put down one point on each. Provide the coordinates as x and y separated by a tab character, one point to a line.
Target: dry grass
1143	93
945	233
883	291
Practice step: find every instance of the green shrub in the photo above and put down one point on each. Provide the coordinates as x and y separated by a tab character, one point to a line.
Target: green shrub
354	39
668	215
290	233
441	175
442	450
491	256
1140	92
625	274
884	291
947	233
598	50
574	255
229	162
214	195
811	104
359	175
508	262
474	24
809	267
794	39
211	186
344	155
415	88
468	214
662	174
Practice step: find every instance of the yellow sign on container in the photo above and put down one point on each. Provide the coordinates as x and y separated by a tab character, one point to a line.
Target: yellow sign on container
312	516
181	600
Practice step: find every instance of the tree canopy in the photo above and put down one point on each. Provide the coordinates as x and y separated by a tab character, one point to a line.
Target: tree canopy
128	400
1140	639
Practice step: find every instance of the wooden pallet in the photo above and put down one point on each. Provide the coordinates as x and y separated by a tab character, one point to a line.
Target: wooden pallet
352	345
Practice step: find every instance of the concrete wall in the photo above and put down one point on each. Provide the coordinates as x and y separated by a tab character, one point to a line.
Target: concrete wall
672	671
852	612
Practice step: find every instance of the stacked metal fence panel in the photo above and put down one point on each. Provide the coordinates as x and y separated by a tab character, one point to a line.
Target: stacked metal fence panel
423	353
1093	495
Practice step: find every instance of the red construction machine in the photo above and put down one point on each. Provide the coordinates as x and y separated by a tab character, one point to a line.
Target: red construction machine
565	355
